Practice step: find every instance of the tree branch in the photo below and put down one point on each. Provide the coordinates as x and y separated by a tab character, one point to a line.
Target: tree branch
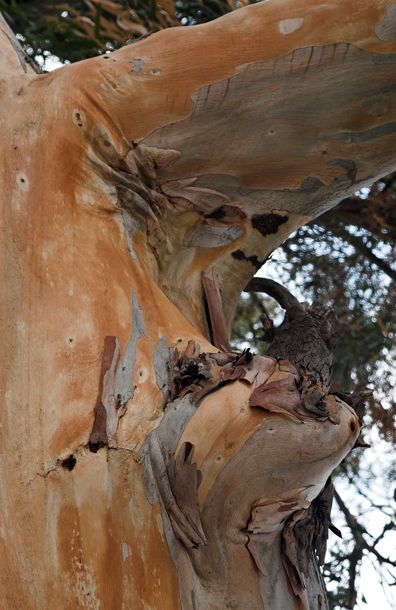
357	532
201	138
371	214
278	292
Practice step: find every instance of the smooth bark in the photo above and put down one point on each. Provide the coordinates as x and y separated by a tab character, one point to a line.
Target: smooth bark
124	179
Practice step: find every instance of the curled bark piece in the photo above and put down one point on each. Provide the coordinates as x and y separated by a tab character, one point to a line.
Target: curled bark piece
192	371
266	521
176	482
304	538
268	516
201	373
333	408
279	396
289	393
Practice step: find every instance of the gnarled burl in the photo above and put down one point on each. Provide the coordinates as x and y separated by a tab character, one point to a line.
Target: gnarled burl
143	465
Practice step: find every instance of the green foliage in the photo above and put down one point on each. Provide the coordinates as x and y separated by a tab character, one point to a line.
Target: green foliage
327	268
45	31
78	29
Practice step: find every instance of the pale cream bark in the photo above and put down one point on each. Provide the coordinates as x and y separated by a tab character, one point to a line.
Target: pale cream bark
124	178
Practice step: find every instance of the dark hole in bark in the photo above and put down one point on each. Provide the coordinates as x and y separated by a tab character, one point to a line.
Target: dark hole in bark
352	425
69	462
79	120
268	224
239	255
188	447
218	213
94	447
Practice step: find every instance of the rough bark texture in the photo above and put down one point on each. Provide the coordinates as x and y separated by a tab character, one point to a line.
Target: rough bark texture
124	179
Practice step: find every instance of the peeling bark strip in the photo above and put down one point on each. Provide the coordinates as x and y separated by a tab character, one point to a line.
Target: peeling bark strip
185	480
304	540
216	321
106	419
173	479
279	386
201	373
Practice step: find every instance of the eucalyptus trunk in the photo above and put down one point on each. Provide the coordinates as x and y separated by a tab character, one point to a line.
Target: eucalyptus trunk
143	465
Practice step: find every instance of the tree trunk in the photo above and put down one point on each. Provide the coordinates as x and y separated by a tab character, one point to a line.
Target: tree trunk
144	466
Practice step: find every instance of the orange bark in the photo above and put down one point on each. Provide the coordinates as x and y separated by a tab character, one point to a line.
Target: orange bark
124	178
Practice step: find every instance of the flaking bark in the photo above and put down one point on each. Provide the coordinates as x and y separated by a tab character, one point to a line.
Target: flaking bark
134	173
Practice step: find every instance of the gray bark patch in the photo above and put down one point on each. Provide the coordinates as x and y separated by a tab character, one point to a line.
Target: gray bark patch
386	29
349	165
137	65
311	184
162	353
157	457
288	26
124	387
129	227
359	137
206	236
